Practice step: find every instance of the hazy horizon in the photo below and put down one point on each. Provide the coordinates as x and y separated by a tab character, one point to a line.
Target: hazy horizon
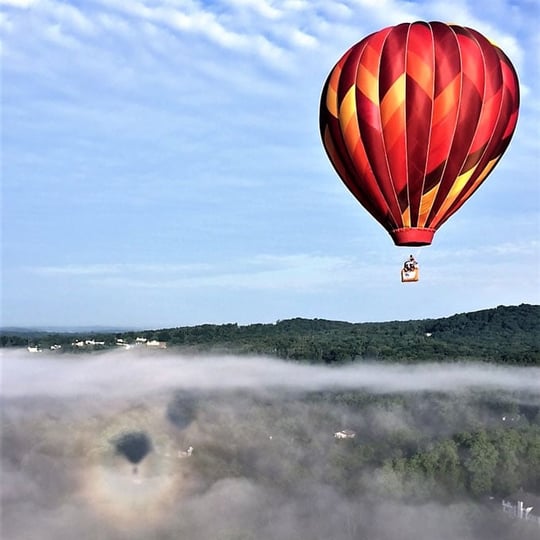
119	328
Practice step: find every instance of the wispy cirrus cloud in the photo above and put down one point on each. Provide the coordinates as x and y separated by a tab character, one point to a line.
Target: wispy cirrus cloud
108	269
302	271
264	272
199	21
261	7
526	248
272	31
23	4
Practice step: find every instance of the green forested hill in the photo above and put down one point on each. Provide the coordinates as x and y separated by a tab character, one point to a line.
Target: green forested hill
508	334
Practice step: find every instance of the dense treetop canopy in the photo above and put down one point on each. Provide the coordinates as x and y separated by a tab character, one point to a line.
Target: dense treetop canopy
506	334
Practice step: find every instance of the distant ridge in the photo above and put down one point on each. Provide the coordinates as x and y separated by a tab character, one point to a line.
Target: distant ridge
506	334
477	314
22	330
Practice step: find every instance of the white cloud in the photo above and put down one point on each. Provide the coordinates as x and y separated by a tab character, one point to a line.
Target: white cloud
296	5
528	247
201	21
263	272
24	4
55	34
116	269
68	14
308	272
302	39
254	27
337	10
5	23
262	7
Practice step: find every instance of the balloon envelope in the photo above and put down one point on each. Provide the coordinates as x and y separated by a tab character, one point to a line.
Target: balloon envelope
414	118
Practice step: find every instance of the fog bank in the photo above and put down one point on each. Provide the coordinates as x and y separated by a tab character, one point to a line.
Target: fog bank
134	373
168	446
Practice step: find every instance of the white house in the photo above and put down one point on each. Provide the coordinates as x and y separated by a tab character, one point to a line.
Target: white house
345	434
157	344
185	454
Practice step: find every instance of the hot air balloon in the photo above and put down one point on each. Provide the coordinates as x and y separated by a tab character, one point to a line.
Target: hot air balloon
413	118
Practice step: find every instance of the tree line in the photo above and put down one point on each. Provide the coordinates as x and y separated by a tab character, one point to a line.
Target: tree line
507	334
435	447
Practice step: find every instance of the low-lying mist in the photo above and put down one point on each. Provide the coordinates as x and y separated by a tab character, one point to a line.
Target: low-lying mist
125	373
128	444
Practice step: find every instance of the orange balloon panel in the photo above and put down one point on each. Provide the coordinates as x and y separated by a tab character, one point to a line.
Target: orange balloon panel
414	118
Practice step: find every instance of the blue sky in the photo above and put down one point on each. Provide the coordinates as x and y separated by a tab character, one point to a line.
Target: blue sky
162	166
